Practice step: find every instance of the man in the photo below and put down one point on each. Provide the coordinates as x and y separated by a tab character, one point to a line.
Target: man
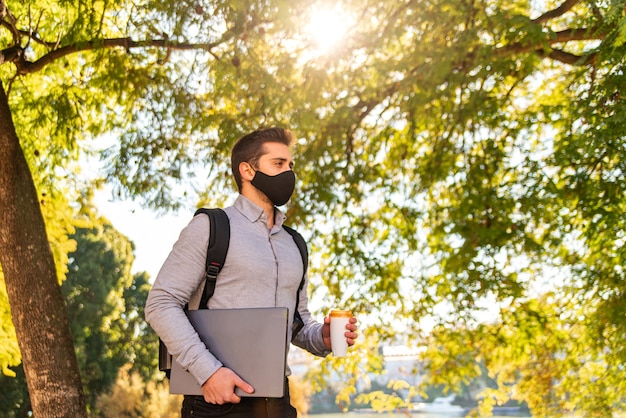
263	268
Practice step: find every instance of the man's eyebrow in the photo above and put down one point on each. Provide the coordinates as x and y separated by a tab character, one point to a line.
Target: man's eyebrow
282	160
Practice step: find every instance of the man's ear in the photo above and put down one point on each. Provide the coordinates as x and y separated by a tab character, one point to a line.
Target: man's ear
246	171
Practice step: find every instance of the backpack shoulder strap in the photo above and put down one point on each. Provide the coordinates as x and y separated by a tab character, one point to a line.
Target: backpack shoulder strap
219	238
298	323
304	253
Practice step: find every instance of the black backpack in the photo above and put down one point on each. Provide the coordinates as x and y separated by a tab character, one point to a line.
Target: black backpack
219	240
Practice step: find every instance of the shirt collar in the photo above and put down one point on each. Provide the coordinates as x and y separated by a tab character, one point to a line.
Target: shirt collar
255	213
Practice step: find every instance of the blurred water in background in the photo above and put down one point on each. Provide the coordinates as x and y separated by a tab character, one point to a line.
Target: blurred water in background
398	415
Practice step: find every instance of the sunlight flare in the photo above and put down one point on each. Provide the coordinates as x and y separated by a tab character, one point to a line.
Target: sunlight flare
327	27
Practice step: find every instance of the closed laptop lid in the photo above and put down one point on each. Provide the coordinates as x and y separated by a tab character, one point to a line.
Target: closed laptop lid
250	341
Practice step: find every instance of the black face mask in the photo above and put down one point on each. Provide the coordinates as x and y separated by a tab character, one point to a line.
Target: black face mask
278	188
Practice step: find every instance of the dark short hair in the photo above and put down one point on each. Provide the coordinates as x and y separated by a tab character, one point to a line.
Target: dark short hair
250	148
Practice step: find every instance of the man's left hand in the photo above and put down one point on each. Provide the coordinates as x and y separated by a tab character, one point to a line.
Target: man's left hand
350	334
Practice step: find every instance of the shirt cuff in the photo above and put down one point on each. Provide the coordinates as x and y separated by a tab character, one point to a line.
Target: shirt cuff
204	368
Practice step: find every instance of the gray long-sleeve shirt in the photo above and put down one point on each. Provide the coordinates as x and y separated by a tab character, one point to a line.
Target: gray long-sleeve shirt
263	268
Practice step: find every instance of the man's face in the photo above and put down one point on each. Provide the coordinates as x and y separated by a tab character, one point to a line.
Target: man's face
276	160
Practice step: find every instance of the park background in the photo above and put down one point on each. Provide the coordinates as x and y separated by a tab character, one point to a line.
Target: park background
460	184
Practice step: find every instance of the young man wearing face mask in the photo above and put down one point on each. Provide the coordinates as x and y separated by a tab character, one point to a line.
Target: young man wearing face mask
263	268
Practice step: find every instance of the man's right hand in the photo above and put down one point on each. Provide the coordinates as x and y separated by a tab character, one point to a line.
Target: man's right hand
220	387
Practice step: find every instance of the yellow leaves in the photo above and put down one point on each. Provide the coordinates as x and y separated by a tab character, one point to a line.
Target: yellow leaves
130	396
9	350
396	385
489	398
381	401
535	354
59	220
343	397
300	394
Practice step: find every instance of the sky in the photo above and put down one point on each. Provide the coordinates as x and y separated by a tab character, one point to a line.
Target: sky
152	235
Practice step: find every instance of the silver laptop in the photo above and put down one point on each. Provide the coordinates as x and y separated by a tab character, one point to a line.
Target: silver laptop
251	341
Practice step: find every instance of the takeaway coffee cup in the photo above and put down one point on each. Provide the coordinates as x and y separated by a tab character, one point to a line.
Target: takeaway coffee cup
338	321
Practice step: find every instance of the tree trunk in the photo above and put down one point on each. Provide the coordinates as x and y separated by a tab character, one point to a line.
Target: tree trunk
37	306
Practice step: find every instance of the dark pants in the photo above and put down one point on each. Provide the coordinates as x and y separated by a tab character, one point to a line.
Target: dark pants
197	407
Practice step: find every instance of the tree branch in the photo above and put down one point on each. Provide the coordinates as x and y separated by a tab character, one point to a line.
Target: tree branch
11	54
567	35
559	11
27	67
581	34
10	22
569	58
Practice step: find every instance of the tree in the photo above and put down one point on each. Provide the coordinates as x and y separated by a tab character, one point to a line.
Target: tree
105	308
454	155
30	276
47	79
